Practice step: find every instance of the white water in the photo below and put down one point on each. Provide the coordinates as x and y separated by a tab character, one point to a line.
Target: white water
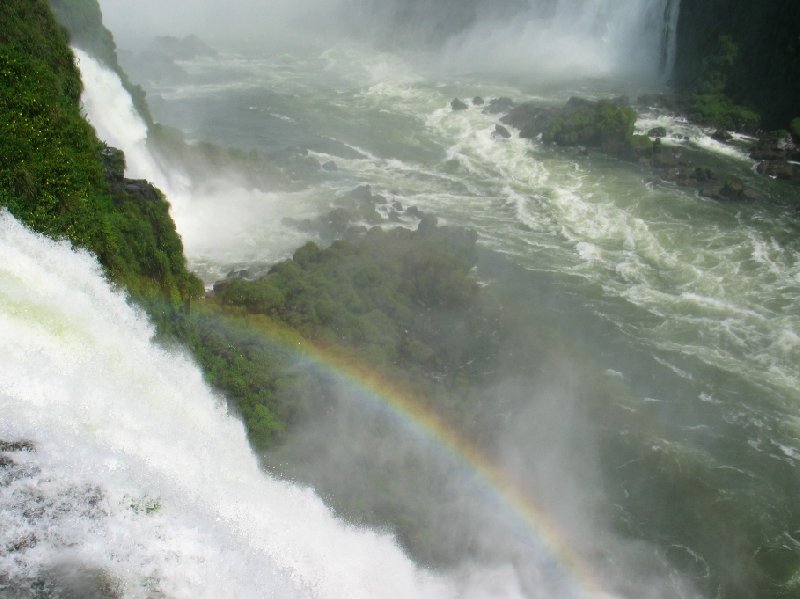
139	473
570	39
221	223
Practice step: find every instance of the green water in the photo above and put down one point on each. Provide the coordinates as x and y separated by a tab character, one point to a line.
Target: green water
687	309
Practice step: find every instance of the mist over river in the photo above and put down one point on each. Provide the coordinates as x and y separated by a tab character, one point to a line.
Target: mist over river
658	432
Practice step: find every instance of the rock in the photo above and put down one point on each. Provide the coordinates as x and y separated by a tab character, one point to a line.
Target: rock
330	166
640	148
664	158
457	104
732	189
721	136
606	124
17	446
499	106
657	132
137	189
414	211
704	174
775	146
779	169
477	101
113	163
238	274
531	119
500	132
397	205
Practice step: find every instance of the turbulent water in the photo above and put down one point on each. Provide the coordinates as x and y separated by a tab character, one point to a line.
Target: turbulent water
129	479
689	308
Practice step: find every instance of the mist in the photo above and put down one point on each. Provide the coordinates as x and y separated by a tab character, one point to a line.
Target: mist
542	40
589	412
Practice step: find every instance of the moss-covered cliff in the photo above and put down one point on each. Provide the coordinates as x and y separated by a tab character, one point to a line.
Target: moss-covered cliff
52	171
753	46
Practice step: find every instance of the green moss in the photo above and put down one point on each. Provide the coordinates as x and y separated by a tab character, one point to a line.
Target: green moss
719	111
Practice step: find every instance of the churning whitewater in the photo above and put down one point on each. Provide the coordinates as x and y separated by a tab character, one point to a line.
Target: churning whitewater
123	474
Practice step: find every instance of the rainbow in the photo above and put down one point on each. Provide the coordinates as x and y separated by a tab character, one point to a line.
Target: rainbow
508	495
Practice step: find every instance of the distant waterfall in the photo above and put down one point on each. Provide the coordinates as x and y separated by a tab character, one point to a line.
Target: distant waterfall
564	39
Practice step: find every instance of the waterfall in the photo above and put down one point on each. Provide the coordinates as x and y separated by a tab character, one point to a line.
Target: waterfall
572	39
122	475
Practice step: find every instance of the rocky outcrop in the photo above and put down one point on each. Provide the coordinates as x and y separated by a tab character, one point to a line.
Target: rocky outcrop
604	124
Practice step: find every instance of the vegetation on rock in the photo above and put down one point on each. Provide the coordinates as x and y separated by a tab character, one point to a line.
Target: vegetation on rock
52	175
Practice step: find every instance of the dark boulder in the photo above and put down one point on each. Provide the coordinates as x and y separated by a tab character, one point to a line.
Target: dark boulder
531	119
113	163
500	132
721	136
499	106
457	104
779	169
775	145
657	132
17	445
477	101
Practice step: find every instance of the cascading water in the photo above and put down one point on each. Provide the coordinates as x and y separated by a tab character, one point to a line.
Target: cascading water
568	39
222	223
121	475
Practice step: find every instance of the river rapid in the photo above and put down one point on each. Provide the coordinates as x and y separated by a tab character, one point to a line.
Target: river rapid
690	304
685	311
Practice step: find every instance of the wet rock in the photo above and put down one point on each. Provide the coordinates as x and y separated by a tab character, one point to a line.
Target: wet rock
414	211
477	101
499	106
17	446
775	145
657	132
779	169
732	189
113	163
640	148
721	136
238	274
500	132
330	166
21	544
531	119
663	158
397	205
457	104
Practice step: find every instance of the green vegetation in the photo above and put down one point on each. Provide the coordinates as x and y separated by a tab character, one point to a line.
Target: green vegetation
711	103
605	123
52	175
400	303
764	74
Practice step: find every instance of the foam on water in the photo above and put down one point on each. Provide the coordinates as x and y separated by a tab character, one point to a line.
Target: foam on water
137	471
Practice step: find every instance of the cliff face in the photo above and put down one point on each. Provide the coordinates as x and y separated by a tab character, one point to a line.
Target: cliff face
52	172
764	70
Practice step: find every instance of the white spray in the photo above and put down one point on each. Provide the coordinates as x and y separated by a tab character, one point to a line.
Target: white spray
138	473
572	39
221	223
